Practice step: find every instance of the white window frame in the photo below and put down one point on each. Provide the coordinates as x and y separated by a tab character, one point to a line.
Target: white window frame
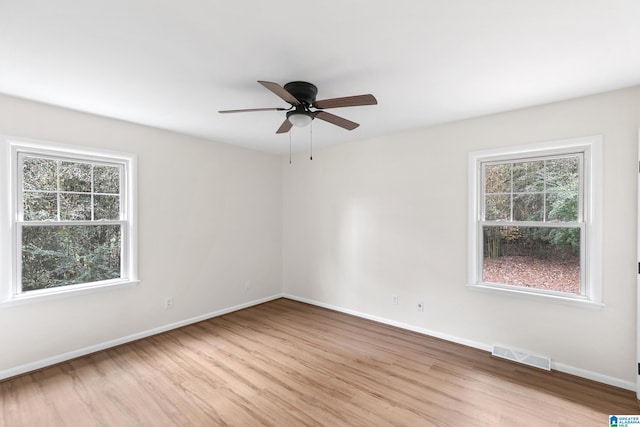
10	152
591	193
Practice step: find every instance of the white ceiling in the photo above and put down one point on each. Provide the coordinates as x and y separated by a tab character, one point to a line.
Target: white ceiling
173	64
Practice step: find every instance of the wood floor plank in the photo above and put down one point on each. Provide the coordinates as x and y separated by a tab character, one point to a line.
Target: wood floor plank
285	363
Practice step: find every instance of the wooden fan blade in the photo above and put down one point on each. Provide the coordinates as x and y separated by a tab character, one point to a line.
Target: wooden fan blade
347	101
280	91
336	120
247	110
285	126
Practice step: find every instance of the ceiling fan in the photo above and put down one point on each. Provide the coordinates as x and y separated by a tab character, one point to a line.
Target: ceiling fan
302	97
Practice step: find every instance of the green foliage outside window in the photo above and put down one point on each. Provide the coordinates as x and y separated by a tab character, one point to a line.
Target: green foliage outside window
67	255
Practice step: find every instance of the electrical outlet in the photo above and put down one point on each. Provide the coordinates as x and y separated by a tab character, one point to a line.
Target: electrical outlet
420	305
168	303
394	299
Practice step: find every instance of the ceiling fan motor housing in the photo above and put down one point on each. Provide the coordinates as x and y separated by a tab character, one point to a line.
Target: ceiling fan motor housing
302	91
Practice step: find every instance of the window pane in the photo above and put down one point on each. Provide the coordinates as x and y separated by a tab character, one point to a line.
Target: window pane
562	174
563	185
528	177
562	206
75	207
106	179
533	257
67	255
39	174
75	177
528	207
497	178
106	207
497	207
40	206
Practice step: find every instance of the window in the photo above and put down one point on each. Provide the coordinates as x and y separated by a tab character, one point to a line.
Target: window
535	220
73	221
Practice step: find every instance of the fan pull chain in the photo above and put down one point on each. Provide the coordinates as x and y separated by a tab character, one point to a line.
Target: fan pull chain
289	147
311	141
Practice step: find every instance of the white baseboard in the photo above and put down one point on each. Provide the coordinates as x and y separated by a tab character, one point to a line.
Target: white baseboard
561	367
33	366
594	376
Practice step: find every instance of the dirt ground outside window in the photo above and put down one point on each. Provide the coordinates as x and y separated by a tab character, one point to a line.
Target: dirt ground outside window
549	274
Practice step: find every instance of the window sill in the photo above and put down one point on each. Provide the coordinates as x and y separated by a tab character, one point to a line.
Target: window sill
576	302
66	293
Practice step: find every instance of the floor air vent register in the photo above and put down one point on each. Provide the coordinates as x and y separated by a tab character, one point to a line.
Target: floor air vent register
518	356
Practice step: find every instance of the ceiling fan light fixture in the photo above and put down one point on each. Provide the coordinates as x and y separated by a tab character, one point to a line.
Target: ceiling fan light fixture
299	119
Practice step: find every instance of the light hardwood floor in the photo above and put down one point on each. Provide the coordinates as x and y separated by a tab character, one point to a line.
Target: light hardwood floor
285	363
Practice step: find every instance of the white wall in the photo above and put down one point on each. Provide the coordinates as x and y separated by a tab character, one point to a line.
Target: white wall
366	220
210	218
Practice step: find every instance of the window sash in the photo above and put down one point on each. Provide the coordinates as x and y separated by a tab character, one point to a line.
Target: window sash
480	250
482	199
124	255
20	196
